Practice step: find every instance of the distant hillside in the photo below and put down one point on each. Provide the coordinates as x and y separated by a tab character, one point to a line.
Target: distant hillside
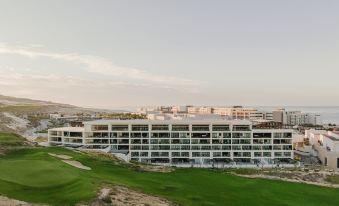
12	101
21	115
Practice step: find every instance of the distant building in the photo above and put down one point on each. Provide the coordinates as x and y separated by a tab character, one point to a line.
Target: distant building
199	110
63	118
296	117
279	116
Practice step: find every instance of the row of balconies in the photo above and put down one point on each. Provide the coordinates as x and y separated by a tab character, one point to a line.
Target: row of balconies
165	127
211	154
215	147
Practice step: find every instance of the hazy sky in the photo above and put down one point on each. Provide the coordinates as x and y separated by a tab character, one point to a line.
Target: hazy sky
126	53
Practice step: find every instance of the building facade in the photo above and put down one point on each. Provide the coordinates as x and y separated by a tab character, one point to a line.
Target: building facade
181	141
326	144
296	117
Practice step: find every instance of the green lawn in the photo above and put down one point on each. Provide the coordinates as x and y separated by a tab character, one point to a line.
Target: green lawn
34	176
9	139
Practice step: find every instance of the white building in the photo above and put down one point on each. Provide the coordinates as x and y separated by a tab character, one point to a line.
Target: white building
181	141
61	117
296	117
326	143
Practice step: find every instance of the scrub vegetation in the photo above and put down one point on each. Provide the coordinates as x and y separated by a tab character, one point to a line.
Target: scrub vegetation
32	175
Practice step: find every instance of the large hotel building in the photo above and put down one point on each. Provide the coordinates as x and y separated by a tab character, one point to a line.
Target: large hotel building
180	141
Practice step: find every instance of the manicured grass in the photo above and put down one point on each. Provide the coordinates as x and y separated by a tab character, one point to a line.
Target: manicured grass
9	139
34	176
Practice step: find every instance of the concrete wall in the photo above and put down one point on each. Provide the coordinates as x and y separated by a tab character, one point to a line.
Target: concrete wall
330	156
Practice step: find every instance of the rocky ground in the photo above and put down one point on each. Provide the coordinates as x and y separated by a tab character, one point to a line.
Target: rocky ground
122	196
136	165
5	201
314	177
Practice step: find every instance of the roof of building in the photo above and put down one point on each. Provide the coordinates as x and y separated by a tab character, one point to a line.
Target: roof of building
330	137
183	121
69	129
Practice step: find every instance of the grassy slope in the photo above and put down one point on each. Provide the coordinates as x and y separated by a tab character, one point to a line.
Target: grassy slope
34	176
8	139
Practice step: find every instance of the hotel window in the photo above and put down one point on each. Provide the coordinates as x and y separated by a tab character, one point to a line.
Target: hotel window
226	154
180	128
216	135
226	147
160	127
216	154
119	127
175	147
262	135
257	154
175	154
53	133
200	127
277	154
200	135
139	127
99	127
241	128
221	128
185	154
246	154
145	147
267	154
287	154
205	154
278	135
227	135
246	147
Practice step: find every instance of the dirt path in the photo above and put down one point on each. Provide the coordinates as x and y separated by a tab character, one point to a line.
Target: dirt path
5	201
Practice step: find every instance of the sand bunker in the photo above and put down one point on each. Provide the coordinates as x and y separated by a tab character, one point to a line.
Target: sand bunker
76	164
64	157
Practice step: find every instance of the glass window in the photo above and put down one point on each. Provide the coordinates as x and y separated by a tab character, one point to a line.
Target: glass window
160	127
241	128
220	127
139	127
119	127
180	128
99	127
262	135
200	127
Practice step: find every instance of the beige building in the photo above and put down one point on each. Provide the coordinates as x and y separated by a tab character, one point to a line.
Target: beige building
326	144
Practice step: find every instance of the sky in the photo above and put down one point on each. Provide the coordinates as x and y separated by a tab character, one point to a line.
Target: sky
115	54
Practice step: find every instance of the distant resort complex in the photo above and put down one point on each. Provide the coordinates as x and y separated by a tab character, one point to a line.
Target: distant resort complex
204	136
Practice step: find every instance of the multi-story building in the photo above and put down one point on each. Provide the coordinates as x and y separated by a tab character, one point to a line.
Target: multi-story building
296	117
199	110
180	141
236	112
326	145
